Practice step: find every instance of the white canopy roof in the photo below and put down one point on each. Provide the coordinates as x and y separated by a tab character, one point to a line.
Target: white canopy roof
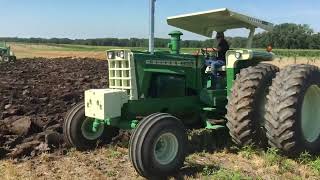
219	20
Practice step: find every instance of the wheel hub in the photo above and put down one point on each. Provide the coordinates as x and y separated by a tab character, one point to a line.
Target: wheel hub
87	129
310	114
166	148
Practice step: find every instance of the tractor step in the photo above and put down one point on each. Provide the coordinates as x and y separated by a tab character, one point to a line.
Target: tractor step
213	126
210	109
217	121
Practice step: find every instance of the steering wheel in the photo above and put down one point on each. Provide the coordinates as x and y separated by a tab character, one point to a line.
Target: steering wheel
208	52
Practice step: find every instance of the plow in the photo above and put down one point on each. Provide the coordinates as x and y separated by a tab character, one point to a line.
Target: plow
159	95
6	55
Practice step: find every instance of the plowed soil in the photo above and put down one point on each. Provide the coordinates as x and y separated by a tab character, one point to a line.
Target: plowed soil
35	94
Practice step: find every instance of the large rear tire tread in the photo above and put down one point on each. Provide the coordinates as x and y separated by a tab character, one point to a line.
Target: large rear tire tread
243	113
141	143
283	107
72	133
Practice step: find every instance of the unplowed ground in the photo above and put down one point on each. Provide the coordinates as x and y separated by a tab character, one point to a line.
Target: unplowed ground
36	93
51	51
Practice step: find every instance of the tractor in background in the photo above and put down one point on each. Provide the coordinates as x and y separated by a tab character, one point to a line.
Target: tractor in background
159	95
6	55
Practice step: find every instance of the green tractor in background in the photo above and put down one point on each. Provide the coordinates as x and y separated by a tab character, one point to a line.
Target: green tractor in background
160	95
6	55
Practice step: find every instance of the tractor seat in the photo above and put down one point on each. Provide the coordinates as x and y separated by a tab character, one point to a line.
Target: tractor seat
222	69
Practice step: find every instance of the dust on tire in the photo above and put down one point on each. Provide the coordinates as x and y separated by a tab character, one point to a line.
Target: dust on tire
245	102
284	105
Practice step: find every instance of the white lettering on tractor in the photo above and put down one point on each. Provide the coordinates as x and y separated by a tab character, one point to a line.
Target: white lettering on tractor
172	63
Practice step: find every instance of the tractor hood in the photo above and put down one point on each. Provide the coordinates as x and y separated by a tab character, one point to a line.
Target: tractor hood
219	20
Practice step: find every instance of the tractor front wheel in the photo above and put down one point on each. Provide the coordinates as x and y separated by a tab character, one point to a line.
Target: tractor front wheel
293	115
12	59
6	59
78	130
158	146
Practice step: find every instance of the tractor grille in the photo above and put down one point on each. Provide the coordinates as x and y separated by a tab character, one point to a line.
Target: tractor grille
122	72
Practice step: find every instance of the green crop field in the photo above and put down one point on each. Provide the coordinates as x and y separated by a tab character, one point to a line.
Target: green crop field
297	52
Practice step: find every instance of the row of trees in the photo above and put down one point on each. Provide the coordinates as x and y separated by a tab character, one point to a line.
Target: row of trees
289	36
284	36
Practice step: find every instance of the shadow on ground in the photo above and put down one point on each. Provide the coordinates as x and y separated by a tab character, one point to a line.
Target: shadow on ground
193	169
205	140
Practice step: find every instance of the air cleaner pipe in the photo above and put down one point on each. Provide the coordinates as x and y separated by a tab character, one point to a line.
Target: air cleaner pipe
174	45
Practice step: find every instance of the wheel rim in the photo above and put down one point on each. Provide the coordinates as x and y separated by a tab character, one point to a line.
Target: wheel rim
166	148
87	129
310	114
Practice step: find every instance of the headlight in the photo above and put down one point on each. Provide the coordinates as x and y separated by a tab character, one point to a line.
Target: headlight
122	54
110	55
238	55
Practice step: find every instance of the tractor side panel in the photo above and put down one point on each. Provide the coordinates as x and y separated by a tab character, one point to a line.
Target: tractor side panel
172	75
186	108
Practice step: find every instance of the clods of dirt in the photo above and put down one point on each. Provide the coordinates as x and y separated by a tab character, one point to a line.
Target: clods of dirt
35	94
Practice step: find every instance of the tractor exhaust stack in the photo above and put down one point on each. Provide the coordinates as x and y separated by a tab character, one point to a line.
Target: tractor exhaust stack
151	31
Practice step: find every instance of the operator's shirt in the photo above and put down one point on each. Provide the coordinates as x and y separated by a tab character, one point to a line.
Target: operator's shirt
224	47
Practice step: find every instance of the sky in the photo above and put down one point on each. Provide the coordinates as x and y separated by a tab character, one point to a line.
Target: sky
129	18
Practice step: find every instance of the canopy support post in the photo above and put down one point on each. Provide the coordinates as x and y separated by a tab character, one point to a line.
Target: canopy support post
250	38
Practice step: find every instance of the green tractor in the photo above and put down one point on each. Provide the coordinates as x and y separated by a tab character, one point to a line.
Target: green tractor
159	95
6	55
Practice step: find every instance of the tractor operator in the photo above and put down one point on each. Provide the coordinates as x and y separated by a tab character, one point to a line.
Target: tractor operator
214	62
223	47
221	50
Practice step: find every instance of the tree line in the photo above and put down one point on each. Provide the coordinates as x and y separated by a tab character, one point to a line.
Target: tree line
284	36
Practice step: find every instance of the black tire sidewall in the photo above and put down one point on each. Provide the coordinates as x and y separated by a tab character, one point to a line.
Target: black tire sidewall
76	133
144	140
150	143
313	147
73	133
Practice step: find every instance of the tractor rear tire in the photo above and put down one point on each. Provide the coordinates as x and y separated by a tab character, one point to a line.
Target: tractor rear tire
293	115
246	105
74	131
158	146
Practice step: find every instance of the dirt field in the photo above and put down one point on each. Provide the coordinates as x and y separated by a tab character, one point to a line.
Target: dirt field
35	95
